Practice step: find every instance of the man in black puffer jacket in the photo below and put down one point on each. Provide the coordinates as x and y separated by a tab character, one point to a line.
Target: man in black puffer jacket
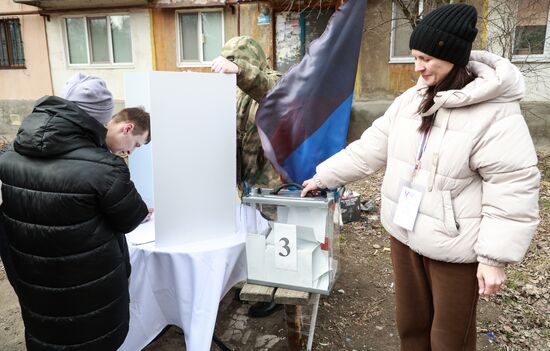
67	203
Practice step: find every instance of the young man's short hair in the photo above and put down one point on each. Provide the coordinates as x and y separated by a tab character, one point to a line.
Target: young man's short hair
139	117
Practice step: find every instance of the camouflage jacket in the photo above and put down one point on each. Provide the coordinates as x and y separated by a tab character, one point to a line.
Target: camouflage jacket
254	80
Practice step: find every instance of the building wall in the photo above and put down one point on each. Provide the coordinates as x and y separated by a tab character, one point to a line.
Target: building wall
262	33
379	78
380	81
114	76
536	72
537	82
165	36
164	29
20	88
374	56
34	80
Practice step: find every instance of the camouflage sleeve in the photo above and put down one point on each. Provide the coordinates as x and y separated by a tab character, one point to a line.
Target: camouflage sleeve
254	81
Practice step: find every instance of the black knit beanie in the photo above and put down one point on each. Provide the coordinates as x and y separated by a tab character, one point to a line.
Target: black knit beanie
447	33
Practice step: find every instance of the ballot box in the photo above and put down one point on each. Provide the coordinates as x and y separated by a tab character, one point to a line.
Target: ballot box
292	242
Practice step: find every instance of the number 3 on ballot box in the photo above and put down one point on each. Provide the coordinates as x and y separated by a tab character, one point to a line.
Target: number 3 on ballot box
285	246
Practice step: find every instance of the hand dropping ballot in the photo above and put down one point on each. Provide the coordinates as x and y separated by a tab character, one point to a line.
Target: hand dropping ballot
407	208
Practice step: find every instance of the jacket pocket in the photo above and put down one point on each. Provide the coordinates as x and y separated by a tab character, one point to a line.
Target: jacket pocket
448	215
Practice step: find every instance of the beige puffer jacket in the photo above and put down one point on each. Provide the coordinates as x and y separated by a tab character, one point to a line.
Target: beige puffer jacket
480	164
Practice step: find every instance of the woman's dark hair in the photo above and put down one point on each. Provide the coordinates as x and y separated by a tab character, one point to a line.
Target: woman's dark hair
457	78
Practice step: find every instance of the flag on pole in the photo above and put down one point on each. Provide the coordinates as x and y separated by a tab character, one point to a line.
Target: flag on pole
304	119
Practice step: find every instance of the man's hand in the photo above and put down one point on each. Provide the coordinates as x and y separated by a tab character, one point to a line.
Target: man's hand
149	215
308	185
223	65
490	279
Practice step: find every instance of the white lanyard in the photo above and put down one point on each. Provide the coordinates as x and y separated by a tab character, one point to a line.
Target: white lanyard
422	148
445	114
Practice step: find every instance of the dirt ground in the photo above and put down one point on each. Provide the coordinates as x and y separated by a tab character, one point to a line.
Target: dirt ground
359	313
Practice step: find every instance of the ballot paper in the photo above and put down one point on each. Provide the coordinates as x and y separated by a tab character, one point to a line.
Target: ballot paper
143	234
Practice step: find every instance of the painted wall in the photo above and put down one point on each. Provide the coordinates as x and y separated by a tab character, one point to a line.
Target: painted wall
537	81
374	56
287	40
188	3
536	72
34	80
113	75
164	34
165	37
380	79
262	33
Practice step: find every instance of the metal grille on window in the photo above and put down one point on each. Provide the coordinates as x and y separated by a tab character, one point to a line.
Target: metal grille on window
11	44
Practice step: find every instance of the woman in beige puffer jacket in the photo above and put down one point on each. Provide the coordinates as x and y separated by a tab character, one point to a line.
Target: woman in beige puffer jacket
474	178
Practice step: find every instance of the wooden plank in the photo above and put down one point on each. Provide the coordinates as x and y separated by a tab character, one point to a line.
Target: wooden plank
297	323
253	292
291	297
315	304
240	285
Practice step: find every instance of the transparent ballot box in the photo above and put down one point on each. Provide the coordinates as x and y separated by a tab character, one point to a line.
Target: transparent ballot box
292	242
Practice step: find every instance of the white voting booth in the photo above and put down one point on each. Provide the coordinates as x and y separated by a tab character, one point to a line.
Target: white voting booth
187	172
186	258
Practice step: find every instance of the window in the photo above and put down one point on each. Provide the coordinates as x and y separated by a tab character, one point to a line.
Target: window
99	40
531	29
200	37
11	44
401	27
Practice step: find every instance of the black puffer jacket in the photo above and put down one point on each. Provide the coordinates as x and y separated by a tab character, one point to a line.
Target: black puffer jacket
67	202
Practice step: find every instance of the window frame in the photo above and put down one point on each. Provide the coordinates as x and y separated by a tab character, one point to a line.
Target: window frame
200	63
4	23
545	56
90	64
393	58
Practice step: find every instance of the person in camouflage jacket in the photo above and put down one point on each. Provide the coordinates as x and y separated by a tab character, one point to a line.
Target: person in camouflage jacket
245	57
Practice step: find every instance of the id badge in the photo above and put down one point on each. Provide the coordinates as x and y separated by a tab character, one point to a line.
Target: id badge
407	207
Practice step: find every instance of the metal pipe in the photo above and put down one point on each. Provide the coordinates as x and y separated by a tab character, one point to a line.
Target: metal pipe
238	19
96	8
273	16
48	53
20	13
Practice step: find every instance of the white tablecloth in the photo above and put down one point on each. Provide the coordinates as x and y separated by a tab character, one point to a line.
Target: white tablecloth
181	285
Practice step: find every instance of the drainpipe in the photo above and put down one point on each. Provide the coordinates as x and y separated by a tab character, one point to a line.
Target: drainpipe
238	19
19	13
302	34
152	35
485	19
48	52
273	38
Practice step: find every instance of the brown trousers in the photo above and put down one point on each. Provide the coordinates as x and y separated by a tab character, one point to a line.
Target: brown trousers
435	302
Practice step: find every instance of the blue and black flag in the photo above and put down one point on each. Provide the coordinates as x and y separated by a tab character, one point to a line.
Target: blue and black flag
304	119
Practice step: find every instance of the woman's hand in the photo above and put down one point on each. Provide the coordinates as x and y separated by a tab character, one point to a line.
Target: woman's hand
222	65
309	185
490	279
